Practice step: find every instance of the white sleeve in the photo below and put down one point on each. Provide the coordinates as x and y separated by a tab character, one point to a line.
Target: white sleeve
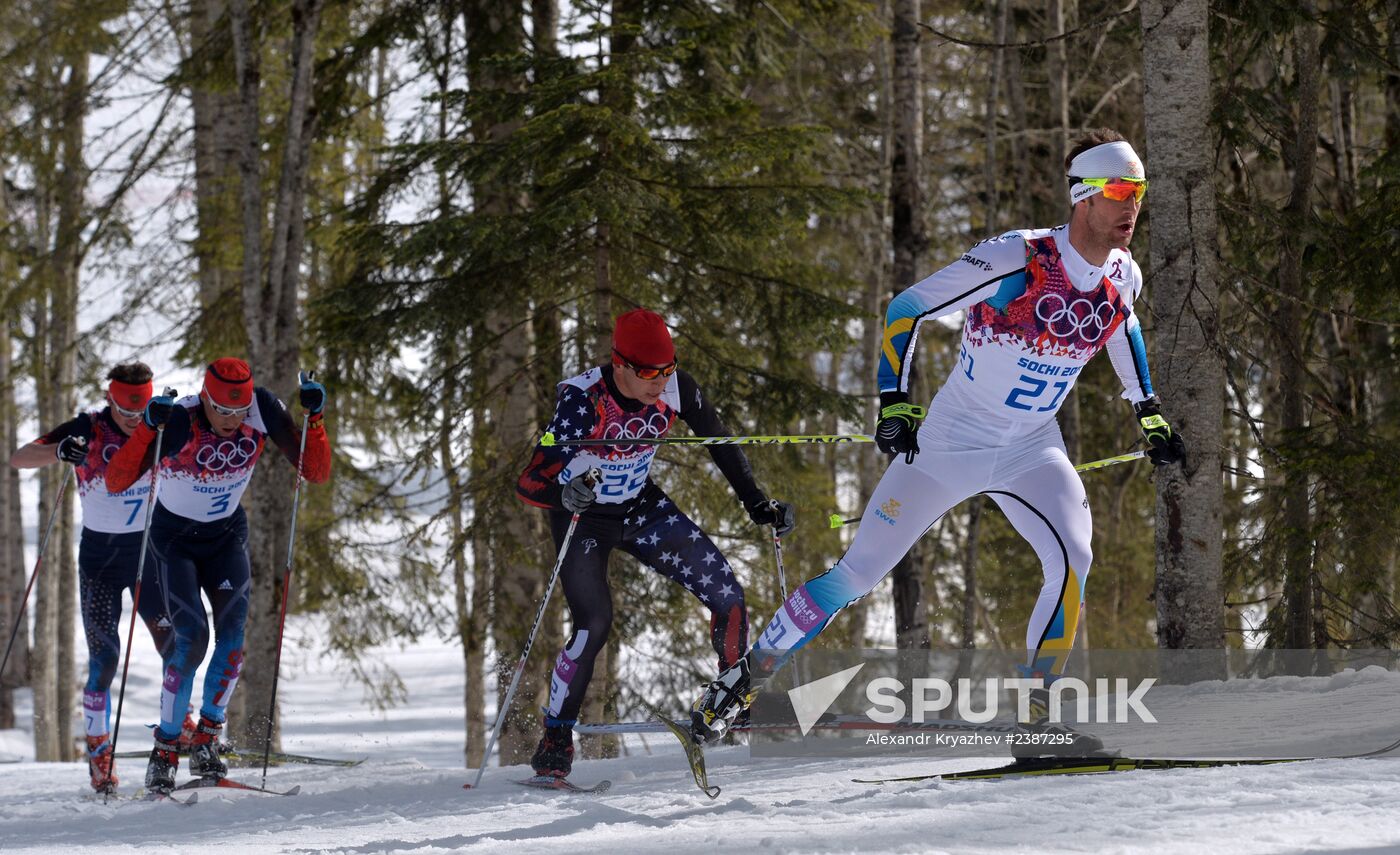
974	277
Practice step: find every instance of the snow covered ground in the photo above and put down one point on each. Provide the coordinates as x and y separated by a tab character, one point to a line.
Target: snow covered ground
408	796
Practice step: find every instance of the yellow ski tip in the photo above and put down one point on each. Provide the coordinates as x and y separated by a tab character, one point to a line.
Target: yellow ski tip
547	440
835	521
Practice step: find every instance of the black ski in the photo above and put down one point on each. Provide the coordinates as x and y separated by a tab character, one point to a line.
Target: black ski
146	796
563	785
141	795
1037	766
254	758
694	754
229	783
826	723
276	758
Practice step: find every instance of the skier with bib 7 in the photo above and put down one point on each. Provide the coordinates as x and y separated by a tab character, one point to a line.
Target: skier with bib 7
109	548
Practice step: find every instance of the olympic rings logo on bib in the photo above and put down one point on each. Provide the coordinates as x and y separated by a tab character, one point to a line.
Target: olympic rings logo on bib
229	454
1082	318
651	427
109	450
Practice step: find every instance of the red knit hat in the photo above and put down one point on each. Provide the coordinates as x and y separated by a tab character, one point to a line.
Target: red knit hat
229	382
641	337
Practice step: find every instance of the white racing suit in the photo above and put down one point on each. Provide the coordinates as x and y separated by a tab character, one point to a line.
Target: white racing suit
1036	313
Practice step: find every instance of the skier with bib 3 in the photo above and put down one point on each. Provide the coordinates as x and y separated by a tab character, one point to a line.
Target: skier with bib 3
199	538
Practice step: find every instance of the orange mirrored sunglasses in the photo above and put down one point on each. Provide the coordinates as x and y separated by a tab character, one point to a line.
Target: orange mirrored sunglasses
1117	189
648	372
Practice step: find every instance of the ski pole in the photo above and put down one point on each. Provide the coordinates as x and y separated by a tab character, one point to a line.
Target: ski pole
549	440
593	476
303	377
778	552
1109	461
38	562
136	593
836	520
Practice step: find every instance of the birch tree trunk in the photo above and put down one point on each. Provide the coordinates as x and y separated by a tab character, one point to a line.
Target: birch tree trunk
271	315
1000	12
1057	71
481	613
1291	332
72	184
909	243
1186	362
217	244
43	663
60	178
514	538
12	575
876	252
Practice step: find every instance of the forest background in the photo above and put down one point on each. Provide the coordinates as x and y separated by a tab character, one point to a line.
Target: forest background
440	205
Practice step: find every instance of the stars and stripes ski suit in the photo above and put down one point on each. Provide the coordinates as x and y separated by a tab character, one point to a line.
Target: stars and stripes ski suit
1036	313
109	552
199	540
631	513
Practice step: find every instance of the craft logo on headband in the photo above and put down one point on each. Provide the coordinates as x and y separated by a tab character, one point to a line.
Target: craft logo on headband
1109	160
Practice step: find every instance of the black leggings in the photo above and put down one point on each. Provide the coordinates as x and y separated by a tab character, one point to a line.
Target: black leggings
107	566
654	532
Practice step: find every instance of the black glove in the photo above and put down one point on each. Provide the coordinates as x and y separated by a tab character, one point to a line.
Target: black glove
898	429
766	511
158	411
313	394
72	449
1164	445
578	495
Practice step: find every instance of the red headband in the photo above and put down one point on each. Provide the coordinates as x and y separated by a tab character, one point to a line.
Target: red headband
229	382
130	396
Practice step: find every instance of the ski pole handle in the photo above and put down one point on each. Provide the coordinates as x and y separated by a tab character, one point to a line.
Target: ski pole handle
778	552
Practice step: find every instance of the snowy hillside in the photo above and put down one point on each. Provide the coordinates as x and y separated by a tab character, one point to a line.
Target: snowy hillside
407	796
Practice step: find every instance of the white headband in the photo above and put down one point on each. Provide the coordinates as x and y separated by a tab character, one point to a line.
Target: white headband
1109	160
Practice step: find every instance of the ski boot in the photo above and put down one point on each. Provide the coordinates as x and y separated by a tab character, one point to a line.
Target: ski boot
554	756
1048	738
161	769
187	732
724	699
99	752
204	750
